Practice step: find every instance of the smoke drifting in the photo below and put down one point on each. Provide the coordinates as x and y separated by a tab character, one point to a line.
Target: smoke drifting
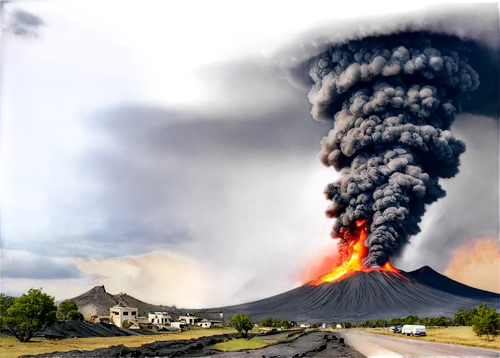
477	263
391	100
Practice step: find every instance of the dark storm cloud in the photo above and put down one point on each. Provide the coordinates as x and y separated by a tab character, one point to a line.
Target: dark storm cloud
23	23
22	264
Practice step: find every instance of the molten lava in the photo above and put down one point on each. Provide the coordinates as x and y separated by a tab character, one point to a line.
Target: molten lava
354	263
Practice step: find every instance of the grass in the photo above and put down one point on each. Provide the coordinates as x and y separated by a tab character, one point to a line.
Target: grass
12	348
256	342
240	343
453	335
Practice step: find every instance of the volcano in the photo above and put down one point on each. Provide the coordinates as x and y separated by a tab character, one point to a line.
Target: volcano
370	295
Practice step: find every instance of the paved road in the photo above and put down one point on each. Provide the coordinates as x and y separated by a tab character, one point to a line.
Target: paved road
377	345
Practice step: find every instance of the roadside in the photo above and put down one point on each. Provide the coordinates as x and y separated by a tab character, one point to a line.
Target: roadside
383	345
463	336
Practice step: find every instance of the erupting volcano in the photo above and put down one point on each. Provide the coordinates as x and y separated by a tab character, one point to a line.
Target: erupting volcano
391	101
354	262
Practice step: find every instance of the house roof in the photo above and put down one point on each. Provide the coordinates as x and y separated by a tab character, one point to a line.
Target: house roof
123	306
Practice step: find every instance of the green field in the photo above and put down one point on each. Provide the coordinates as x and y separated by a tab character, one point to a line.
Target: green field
257	342
12	348
452	335
240	343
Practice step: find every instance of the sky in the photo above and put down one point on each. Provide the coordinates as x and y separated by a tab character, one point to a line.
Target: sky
160	149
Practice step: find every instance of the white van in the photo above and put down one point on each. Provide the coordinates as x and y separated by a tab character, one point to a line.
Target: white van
413	330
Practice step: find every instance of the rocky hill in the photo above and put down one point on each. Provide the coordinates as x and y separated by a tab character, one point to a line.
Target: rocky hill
98	301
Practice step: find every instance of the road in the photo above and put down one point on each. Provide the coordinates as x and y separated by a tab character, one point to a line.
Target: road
372	345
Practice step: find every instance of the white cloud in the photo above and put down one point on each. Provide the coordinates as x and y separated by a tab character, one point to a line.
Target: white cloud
157	278
76	58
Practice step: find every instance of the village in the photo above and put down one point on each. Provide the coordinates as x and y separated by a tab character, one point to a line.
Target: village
126	317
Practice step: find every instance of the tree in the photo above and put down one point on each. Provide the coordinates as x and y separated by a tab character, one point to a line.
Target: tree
29	314
344	325
285	324
266	322
411	319
5	303
74	315
64	308
242	323
463	318
486	321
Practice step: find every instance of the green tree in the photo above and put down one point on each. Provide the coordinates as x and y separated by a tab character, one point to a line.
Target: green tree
29	314
486	321
242	323
74	315
463	318
396	322
5	303
285	324
344	325
266	322
64	308
411	319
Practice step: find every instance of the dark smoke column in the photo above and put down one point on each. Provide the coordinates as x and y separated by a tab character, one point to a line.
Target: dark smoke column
392	101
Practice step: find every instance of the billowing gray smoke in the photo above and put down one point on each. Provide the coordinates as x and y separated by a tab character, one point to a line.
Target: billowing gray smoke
392	101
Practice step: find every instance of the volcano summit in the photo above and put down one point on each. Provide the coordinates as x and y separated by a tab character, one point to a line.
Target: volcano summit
377	294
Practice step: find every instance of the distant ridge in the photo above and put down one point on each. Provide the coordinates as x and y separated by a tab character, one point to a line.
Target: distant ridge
370	295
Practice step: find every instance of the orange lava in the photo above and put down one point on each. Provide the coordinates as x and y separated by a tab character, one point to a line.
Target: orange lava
354	263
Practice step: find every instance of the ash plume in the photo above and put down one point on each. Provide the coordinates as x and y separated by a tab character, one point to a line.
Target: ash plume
392	101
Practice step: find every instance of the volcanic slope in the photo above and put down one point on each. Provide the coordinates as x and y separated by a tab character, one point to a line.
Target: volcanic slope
370	295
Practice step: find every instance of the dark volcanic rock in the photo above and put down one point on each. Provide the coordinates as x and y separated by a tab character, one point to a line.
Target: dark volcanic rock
155	349
370	295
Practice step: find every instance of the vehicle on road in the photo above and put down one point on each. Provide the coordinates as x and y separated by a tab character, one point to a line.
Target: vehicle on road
396	329
414	330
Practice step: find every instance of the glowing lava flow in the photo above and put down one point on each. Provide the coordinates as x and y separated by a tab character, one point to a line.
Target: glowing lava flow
354	263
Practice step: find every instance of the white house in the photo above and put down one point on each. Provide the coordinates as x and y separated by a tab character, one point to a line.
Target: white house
159	318
206	323
178	324
191	320
120	313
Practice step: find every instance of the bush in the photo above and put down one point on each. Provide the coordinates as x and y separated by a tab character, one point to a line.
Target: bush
74	315
64	308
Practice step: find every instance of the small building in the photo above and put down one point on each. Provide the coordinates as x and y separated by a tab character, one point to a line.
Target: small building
178	325
191	320
121	313
159	318
205	323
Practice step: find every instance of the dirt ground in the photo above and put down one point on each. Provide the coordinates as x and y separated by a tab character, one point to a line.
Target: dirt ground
310	344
